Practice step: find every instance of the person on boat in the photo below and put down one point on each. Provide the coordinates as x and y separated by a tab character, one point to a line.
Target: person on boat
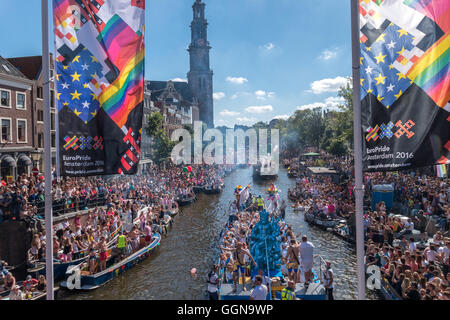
42	284
92	257
260	290
212	281
288	293
293	260
122	245
29	285
307	258
328	281
16	294
260	203
148	233
103	257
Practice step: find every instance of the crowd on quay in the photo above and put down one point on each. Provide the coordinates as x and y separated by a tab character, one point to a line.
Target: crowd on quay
236	260
416	269
95	231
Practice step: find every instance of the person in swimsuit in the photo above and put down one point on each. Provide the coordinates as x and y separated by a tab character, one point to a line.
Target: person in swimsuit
240	253
103	254
293	252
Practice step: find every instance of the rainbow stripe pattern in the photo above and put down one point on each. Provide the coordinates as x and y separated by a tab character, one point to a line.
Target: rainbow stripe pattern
441	171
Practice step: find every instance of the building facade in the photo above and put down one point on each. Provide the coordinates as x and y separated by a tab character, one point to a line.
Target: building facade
200	76
31	67
16	122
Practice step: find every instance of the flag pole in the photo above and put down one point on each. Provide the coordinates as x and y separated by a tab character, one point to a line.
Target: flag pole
359	191
47	153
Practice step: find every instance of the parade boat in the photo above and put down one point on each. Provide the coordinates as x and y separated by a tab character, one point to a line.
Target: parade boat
173	212
320	222
33	296
210	189
342	230
185	200
198	189
60	267
263	170
265	248
90	281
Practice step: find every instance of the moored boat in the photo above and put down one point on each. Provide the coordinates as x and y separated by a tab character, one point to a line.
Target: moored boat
93	281
184	201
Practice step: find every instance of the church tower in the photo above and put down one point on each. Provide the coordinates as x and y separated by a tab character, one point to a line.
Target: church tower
200	76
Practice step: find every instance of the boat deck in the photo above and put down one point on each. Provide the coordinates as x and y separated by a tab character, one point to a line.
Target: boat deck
315	291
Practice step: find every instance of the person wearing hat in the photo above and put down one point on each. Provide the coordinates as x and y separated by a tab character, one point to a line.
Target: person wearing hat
29	284
16	294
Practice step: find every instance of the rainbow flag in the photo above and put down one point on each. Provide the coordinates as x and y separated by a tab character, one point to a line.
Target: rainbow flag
99	63
441	171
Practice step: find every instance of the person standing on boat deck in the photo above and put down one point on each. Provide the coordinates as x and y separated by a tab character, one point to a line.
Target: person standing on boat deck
260	290
293	255
328	283
288	293
212	283
307	257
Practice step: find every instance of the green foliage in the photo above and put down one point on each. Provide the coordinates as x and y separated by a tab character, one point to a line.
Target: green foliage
162	145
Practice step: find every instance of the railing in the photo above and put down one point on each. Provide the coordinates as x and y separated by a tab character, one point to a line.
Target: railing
72	204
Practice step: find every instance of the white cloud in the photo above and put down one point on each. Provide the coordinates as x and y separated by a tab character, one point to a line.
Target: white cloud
328	54
234	96
262	95
328	85
330	103
218	95
259	109
269	46
179	80
228	113
246	120
282	116
237	80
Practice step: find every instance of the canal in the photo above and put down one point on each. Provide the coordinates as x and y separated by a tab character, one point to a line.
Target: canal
192	243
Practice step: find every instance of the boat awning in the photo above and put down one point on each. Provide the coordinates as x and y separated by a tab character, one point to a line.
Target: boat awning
24	161
8	162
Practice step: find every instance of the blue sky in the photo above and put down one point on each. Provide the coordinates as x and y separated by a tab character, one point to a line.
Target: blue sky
269	57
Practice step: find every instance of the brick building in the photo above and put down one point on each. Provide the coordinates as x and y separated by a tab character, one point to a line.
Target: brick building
31	67
16	121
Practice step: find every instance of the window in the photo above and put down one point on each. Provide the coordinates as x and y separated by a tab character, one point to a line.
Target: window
20	103
53	140
52	99
40	140
40	115
5	97
52	122
6	130
21	131
40	93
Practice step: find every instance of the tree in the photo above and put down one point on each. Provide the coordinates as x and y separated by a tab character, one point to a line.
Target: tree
161	144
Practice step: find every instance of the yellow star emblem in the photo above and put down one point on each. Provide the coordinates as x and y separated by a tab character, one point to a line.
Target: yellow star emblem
65	67
361	60
57	76
380	58
75	95
76	112
398	95
401	76
370	91
368	48
379	98
75	77
66	103
362	80
380	79
391	66
402	33
85	85
76	59
94	59
94	113
94	96
57	96
94	75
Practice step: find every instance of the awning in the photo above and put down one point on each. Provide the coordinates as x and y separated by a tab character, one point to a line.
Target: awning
24	161
8	162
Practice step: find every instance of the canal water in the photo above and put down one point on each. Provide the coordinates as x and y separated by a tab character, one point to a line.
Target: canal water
192	243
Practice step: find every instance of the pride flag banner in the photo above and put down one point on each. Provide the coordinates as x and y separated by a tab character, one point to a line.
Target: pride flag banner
405	83
441	171
99	83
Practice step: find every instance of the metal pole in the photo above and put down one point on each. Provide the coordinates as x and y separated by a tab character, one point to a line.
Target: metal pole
47	154
359	191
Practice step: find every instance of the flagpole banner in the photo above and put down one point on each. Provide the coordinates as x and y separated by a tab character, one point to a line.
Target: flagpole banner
405	79
99	59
